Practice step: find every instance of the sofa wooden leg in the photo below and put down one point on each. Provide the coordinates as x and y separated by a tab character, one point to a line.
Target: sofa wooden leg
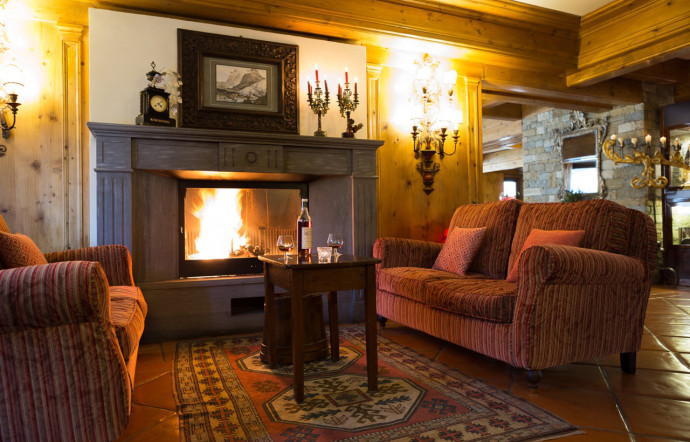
382	320
629	362
533	378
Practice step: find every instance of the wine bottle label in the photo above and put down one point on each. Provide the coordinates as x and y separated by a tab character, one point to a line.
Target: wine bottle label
306	238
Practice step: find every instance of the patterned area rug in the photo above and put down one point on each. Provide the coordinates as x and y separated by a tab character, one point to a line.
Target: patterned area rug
225	393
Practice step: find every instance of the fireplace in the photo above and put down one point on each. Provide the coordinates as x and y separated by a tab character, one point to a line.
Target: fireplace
226	225
138	176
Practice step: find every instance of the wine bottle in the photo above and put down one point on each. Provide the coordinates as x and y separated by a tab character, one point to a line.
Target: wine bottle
304	231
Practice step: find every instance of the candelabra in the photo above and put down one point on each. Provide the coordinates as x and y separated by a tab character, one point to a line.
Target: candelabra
648	176
347	102
318	101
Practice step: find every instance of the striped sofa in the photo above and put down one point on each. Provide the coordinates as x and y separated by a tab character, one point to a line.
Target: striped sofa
69	337
569	304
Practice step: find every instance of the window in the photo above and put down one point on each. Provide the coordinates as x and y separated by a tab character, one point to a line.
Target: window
509	189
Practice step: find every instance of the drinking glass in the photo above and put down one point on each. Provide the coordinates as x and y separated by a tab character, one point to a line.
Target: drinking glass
335	241
285	244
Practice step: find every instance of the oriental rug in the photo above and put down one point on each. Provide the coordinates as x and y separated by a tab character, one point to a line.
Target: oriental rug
225	393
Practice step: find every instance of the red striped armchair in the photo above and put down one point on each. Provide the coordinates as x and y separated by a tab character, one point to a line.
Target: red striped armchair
69	337
569	303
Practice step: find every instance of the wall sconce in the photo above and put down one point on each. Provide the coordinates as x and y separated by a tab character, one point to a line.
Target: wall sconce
435	113
11	85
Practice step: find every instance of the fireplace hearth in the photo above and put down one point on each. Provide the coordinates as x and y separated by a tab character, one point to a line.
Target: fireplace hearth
139	174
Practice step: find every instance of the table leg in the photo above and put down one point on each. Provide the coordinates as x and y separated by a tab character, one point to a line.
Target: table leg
333	325
270	312
297	335
370	328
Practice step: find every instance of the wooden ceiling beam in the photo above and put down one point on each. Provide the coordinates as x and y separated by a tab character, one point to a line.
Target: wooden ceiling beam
627	35
504	33
543	101
506	111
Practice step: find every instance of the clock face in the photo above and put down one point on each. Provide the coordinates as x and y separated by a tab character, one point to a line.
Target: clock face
158	103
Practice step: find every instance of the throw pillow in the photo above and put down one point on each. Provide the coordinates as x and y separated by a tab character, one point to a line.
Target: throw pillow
538	237
459	249
17	250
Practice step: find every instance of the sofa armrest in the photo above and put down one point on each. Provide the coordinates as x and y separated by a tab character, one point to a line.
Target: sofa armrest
575	304
115	260
53	294
400	252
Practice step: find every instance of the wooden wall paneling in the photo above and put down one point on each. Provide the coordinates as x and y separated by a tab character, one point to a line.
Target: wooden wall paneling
473	93
31	196
404	209
374	119
493	186
73	157
155	234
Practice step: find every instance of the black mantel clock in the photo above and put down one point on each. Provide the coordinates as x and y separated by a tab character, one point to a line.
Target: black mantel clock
154	103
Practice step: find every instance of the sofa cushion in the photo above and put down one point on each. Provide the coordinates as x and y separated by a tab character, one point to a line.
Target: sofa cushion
539	237
480	298
459	249
17	250
499	218
604	223
127	312
409	282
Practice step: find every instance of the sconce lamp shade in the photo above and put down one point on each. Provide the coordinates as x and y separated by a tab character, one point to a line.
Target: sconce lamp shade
12	79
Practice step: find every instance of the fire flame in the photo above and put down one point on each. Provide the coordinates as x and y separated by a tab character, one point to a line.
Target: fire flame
220	221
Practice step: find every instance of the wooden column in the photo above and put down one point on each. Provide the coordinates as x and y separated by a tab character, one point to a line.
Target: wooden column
73	148
374	127
473	125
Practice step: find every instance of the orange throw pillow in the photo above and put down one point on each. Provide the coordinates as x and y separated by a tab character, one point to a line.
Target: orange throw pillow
539	237
459	249
17	250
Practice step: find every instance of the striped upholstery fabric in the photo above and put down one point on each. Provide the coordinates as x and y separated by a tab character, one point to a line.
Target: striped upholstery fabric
570	304
115	260
62	375
68	346
604	223
499	220
490	299
410	282
127	311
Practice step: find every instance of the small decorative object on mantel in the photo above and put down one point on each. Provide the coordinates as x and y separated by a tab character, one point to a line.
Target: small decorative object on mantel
154	102
347	102
642	154
318	99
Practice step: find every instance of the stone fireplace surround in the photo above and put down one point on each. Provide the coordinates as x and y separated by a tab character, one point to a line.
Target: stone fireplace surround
137	172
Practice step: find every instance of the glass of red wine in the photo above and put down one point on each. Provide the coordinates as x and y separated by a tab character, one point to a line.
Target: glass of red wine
335	241
285	244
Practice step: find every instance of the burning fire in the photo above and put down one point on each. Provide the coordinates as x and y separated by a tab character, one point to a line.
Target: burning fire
219	214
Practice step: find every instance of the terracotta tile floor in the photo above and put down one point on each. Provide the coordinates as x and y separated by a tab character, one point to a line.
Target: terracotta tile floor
652	405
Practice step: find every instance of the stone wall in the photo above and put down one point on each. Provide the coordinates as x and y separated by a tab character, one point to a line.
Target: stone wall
542	164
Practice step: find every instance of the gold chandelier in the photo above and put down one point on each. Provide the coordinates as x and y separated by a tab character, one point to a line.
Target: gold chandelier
648	177
435	113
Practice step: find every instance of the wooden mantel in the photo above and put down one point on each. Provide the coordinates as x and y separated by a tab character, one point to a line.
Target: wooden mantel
131	160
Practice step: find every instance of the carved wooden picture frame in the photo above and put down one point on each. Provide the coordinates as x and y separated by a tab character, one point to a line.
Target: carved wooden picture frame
237	83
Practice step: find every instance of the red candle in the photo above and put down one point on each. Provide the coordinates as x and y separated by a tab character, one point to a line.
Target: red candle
346	80
308	86
340	90
355	85
325	83
316	70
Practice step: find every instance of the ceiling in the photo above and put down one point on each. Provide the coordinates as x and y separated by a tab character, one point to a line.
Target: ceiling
575	7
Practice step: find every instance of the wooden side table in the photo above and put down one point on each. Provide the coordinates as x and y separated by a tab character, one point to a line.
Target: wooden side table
301	278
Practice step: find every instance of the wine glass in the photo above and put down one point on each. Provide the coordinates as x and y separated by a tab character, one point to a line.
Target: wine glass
285	244
335	241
